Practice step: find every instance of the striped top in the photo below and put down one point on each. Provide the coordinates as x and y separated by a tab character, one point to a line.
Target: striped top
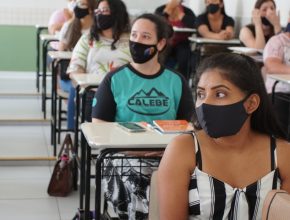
210	198
97	57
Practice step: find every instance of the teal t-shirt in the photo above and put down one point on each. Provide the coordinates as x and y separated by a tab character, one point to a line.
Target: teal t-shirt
127	95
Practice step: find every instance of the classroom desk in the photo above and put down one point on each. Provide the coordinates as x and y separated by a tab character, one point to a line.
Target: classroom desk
105	138
200	42
57	57
83	82
256	54
184	30
39	30
46	39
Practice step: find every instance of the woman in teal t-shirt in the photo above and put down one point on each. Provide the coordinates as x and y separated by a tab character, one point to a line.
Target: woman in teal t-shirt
140	91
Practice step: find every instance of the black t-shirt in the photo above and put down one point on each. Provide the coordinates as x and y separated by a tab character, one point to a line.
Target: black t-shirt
203	19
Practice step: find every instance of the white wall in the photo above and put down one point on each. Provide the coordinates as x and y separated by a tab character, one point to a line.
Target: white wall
38	11
243	8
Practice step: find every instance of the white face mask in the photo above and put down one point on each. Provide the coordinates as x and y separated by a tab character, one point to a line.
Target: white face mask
71	5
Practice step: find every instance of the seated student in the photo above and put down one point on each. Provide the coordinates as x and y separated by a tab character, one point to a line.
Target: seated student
105	48
56	21
59	17
237	154
79	24
71	32
277	61
179	50
122	97
214	23
265	24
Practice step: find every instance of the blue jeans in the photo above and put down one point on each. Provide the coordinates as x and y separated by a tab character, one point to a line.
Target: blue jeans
66	86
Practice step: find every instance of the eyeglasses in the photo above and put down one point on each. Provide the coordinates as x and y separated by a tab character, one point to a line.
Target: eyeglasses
102	10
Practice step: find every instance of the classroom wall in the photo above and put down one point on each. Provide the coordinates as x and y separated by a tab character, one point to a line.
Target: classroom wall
18	19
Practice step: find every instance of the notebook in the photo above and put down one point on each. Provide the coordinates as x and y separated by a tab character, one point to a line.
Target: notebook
173	126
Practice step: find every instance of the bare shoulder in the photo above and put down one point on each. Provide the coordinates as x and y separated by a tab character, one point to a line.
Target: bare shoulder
181	149
283	150
182	143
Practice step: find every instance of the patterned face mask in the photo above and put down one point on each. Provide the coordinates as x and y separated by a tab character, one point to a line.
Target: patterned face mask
141	53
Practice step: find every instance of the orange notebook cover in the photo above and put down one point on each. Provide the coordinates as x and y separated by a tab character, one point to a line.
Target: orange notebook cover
173	126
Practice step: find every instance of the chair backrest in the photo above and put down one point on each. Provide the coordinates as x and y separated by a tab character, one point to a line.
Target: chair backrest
153	198
276	206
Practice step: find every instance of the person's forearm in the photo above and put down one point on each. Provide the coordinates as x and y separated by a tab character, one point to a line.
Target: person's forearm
259	38
277	68
96	120
277	29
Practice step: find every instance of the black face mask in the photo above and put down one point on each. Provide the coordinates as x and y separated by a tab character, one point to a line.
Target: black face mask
141	53
222	120
213	8
266	22
80	12
104	22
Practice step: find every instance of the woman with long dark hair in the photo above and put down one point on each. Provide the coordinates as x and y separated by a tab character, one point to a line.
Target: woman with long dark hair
265	24
80	24
237	154
123	97
103	49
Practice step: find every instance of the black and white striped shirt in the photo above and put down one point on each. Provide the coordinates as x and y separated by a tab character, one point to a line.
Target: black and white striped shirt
210	198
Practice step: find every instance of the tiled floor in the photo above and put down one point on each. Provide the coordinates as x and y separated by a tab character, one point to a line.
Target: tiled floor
23	185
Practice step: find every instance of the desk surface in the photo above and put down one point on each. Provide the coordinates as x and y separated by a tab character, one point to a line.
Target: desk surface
246	50
48	37
86	79
281	77
60	54
41	26
186	30
108	134
201	40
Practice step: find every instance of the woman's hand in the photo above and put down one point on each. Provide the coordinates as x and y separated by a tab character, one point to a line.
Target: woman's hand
274	18
256	17
223	35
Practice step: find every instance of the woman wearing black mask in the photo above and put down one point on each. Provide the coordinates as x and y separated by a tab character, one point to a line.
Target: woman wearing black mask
103	49
143	90
265	24
214	23
81	22
237	154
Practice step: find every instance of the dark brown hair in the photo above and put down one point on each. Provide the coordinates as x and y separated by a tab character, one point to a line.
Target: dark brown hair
74	31
121	21
259	3
244	73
